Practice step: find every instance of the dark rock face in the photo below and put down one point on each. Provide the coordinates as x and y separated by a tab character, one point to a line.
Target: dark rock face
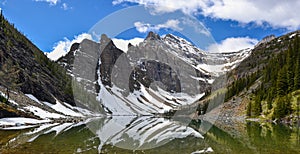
68	59
108	58
74	47
151	71
130	45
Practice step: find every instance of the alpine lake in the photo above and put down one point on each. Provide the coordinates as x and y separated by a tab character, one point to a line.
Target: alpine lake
139	135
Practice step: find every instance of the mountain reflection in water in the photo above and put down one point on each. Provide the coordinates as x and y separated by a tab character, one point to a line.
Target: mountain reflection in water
150	135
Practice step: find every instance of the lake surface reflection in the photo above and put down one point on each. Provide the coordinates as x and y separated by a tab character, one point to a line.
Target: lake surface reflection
150	135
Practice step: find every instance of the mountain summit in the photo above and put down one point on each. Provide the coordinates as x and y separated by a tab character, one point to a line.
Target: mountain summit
152	36
156	69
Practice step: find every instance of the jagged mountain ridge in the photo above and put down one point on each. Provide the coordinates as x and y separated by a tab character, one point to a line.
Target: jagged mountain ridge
206	67
214	64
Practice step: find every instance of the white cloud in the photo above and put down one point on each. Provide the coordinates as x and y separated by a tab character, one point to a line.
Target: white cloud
163	6
123	44
65	6
233	44
142	27
278	14
61	48
146	27
52	2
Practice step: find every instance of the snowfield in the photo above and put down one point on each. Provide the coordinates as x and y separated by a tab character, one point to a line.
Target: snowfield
45	111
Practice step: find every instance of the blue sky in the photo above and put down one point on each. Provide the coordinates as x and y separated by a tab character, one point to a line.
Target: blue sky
48	23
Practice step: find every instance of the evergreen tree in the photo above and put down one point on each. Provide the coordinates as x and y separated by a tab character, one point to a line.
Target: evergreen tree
297	67
297	77
257	106
270	98
249	109
296	45
290	69
288	105
283	107
280	109
281	83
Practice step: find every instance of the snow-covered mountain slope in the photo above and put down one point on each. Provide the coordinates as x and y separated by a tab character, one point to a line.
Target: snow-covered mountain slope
38	112
214	64
157	75
220	63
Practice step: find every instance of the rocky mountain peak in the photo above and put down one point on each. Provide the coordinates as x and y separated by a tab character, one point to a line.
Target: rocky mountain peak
266	40
176	39
74	47
129	45
152	36
171	37
104	39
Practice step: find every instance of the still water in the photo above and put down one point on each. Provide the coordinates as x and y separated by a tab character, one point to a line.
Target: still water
151	135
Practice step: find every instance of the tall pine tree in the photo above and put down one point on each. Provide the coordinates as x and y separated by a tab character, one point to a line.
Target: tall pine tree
297	77
290	69
257	106
297	67
280	107
281	84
